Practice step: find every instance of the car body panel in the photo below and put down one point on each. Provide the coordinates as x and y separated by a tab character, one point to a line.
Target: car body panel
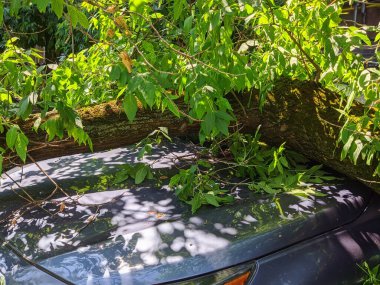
144	235
331	258
15	270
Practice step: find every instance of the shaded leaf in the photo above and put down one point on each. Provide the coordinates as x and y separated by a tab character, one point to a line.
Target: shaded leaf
141	174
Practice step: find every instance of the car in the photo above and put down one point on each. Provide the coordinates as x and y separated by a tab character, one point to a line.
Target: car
95	232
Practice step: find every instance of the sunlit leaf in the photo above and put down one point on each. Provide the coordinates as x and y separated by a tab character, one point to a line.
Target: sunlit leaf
57	6
130	106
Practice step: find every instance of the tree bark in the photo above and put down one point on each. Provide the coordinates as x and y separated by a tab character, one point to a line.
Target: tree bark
302	114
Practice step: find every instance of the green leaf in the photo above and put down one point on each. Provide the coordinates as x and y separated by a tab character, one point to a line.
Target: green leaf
146	149
137	5
291	181
15	7
179	6
377	170
328	178
1	164
148	91
364	79
124	76
174	180
82	19
121	176
370	156
135	83
187	24
284	162
345	134
11	137
316	180
1	12
25	108
165	133
141	174
24	104
224	115
148	47
195	203
130	106
314	169
204	163
305	192
208	122
21	146
222	125
42	4
328	75
358	149
53	128
77	17
73	15
363	36
280	169
272	166
57	6
377	38
268	189
211	199
346	147
115	72
326	26
171	106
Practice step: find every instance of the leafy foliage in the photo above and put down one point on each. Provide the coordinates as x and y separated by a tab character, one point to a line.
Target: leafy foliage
271	170
253	164
148	54
39	27
372	275
142	171
139	172
197	188
154	138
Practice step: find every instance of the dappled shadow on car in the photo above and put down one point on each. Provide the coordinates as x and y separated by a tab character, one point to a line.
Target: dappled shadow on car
144	234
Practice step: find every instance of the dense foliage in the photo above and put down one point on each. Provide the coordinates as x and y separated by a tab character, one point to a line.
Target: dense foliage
151	54
372	276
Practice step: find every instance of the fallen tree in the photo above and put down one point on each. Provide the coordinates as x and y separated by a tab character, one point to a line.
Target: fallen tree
200	52
300	113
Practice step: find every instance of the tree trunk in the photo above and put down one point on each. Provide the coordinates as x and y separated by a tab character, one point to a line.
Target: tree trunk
302	114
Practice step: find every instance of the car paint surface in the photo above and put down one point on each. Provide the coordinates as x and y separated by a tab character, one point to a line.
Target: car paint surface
143	234
331	258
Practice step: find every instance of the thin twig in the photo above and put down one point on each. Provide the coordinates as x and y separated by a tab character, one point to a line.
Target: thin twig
57	187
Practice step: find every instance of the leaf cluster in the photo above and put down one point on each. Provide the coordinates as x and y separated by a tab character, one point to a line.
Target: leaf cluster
269	169
372	275
246	162
197	188
138	172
